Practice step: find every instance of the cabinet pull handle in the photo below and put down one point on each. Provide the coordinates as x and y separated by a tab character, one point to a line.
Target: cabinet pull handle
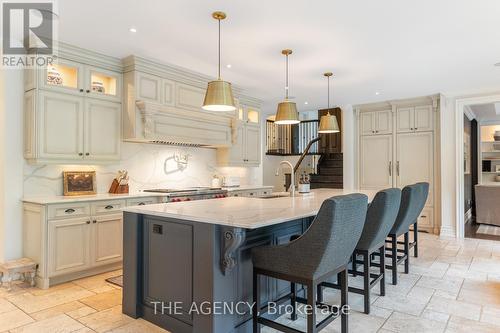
81	90
88	91
108	207
88	222
390	168
397	168
94	221
141	204
423	216
69	211
416	128
80	154
87	154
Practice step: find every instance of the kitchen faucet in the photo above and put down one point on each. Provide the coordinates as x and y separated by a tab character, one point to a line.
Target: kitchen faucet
292	185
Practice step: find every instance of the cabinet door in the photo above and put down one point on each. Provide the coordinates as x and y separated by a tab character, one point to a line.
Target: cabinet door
148	87
423	119
367	120
101	83
414	160
68	245
375	168
60	126
63	76
237	150
107	235
383	122
405	120
102	130
252	144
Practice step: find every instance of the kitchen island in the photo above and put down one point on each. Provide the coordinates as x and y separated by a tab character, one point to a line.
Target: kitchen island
187	265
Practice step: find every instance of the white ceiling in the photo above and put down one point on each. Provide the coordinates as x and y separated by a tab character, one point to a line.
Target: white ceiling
400	48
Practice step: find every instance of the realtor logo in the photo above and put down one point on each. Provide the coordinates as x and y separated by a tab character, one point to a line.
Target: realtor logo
27	34
27	28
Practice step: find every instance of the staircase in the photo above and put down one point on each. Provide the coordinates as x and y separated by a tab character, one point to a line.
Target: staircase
330	172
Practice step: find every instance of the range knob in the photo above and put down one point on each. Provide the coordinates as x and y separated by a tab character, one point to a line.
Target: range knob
188	199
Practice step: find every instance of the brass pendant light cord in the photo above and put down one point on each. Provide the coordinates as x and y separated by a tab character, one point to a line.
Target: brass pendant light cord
218	73
286	78
328	94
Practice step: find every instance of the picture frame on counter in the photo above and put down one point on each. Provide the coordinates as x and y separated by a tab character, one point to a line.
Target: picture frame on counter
79	183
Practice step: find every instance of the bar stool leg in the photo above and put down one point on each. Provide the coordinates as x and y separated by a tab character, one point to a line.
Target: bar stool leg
407	252
342	277
311	302
415	240
382	270
256	304
293	301
319	292
366	281
394	251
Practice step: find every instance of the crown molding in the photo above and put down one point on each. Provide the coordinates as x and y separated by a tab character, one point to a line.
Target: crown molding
469	113
78	54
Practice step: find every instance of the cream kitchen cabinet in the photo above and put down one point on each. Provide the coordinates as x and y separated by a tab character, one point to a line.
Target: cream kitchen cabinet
246	138
64	128
376	122
68	245
375	162
76	239
415	119
72	77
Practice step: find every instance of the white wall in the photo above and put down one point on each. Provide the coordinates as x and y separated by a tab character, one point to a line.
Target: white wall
11	176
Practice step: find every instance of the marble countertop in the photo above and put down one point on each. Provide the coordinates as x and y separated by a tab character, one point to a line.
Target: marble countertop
243	212
57	199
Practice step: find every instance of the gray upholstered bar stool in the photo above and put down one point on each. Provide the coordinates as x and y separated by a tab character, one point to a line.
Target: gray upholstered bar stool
413	200
380	219
321	252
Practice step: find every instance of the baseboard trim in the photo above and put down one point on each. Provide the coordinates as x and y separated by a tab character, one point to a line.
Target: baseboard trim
447	231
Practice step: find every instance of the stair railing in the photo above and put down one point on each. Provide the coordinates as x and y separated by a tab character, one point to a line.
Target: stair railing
297	165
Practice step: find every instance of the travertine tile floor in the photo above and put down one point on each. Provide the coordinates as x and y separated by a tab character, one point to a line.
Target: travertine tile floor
454	286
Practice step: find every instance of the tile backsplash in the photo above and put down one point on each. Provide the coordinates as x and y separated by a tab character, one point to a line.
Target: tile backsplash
149	166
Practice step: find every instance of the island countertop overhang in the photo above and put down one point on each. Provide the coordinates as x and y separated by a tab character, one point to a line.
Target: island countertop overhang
244	212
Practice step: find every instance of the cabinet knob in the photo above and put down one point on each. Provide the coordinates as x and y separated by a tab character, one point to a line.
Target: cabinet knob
87	154
88	222
88	91
416	128
81	90
80	154
95	221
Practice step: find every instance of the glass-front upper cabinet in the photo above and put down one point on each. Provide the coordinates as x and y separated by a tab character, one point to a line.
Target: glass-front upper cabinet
102	83
63	75
249	115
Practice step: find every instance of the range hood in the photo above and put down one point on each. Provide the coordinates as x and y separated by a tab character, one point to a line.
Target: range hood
160	124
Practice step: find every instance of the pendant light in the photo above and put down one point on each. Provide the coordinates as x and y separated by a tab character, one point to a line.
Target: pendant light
287	113
328	123
219	95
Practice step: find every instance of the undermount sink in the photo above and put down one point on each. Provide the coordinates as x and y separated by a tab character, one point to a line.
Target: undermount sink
273	195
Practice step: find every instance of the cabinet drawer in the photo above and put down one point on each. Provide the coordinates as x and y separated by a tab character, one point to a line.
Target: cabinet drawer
106	207
69	210
142	201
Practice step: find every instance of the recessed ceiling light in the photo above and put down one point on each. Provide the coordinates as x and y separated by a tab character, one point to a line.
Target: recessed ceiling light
377	93
229	65
306	103
133	30
497	64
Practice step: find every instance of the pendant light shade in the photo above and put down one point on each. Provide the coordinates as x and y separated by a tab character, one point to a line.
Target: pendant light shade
287	113
219	95
328	123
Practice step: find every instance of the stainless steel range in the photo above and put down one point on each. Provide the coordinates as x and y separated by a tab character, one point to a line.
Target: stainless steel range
191	193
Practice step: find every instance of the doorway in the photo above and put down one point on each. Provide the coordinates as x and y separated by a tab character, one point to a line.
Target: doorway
481	171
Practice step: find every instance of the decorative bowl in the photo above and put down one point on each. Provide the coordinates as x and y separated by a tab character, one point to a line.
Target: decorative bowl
496	136
54	77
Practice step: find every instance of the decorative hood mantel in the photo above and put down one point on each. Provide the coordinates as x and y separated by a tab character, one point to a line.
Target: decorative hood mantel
167	125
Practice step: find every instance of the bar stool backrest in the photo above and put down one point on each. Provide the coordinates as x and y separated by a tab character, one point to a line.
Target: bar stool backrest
380	218
413	199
